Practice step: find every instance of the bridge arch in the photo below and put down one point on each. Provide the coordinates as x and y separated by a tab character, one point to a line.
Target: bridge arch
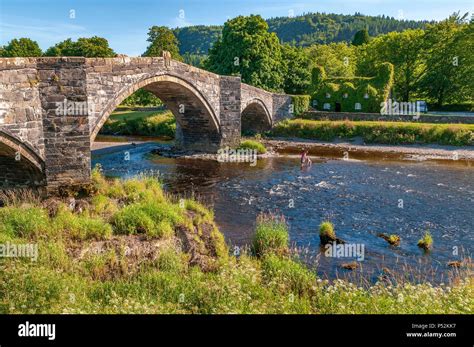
20	165
255	117
197	125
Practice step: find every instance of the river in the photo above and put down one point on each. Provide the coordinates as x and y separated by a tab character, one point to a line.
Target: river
361	197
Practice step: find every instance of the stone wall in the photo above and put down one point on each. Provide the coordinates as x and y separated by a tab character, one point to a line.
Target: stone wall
20	107
66	131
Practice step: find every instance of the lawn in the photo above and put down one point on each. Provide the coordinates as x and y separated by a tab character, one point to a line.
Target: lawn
140	123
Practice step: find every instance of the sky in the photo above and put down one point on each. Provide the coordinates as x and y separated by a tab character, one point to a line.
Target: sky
125	22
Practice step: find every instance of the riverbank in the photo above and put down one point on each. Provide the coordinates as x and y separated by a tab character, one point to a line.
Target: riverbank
358	150
131	248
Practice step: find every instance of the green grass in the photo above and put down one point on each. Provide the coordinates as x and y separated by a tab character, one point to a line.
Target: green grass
66	281
326	232
252	144
378	132
271	236
426	242
141	123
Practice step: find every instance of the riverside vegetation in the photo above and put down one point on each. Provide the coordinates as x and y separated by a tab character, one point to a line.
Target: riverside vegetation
163	123
129	247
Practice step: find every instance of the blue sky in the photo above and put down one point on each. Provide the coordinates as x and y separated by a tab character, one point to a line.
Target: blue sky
125	23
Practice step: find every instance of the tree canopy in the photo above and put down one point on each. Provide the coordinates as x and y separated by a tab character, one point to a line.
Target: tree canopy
249	50
361	37
162	39
84	47
22	47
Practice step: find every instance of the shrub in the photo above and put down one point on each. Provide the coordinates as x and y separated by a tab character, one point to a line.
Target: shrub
251	144
326	232
271	236
152	219
300	103
426	242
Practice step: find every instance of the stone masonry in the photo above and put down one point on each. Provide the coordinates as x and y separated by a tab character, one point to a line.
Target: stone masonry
51	110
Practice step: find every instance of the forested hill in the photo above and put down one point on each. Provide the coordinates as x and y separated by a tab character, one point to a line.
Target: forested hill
302	30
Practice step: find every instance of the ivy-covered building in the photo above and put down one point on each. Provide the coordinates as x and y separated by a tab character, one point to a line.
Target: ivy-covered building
355	94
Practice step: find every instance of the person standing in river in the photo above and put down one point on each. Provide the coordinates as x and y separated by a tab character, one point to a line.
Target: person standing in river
305	161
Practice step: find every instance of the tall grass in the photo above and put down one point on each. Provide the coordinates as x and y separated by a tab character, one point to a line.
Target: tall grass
87	265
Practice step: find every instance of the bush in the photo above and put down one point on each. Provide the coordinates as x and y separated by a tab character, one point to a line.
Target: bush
326	232
251	144
300	103
426	242
271	236
152	219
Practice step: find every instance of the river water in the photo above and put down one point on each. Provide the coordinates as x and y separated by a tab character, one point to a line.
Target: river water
361	198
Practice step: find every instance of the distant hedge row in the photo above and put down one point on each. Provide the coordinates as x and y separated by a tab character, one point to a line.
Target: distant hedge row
377	132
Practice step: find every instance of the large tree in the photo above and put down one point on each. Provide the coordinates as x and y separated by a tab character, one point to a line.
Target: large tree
337	59
361	38
449	62
84	47
404	50
22	47
248	49
297	70
162	39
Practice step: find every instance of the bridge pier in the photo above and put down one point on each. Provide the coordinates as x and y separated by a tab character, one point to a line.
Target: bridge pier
66	131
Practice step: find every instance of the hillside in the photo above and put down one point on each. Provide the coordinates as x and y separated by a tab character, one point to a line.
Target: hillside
304	30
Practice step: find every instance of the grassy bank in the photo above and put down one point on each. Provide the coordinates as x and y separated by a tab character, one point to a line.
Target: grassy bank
130	248
140	123
378	132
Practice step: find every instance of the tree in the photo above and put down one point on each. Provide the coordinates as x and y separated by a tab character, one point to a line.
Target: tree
449	61
361	38
246	48
404	50
297	70
22	47
84	47
162	39
337	59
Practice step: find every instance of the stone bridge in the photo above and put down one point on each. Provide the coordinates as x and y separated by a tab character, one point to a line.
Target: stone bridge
51	110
